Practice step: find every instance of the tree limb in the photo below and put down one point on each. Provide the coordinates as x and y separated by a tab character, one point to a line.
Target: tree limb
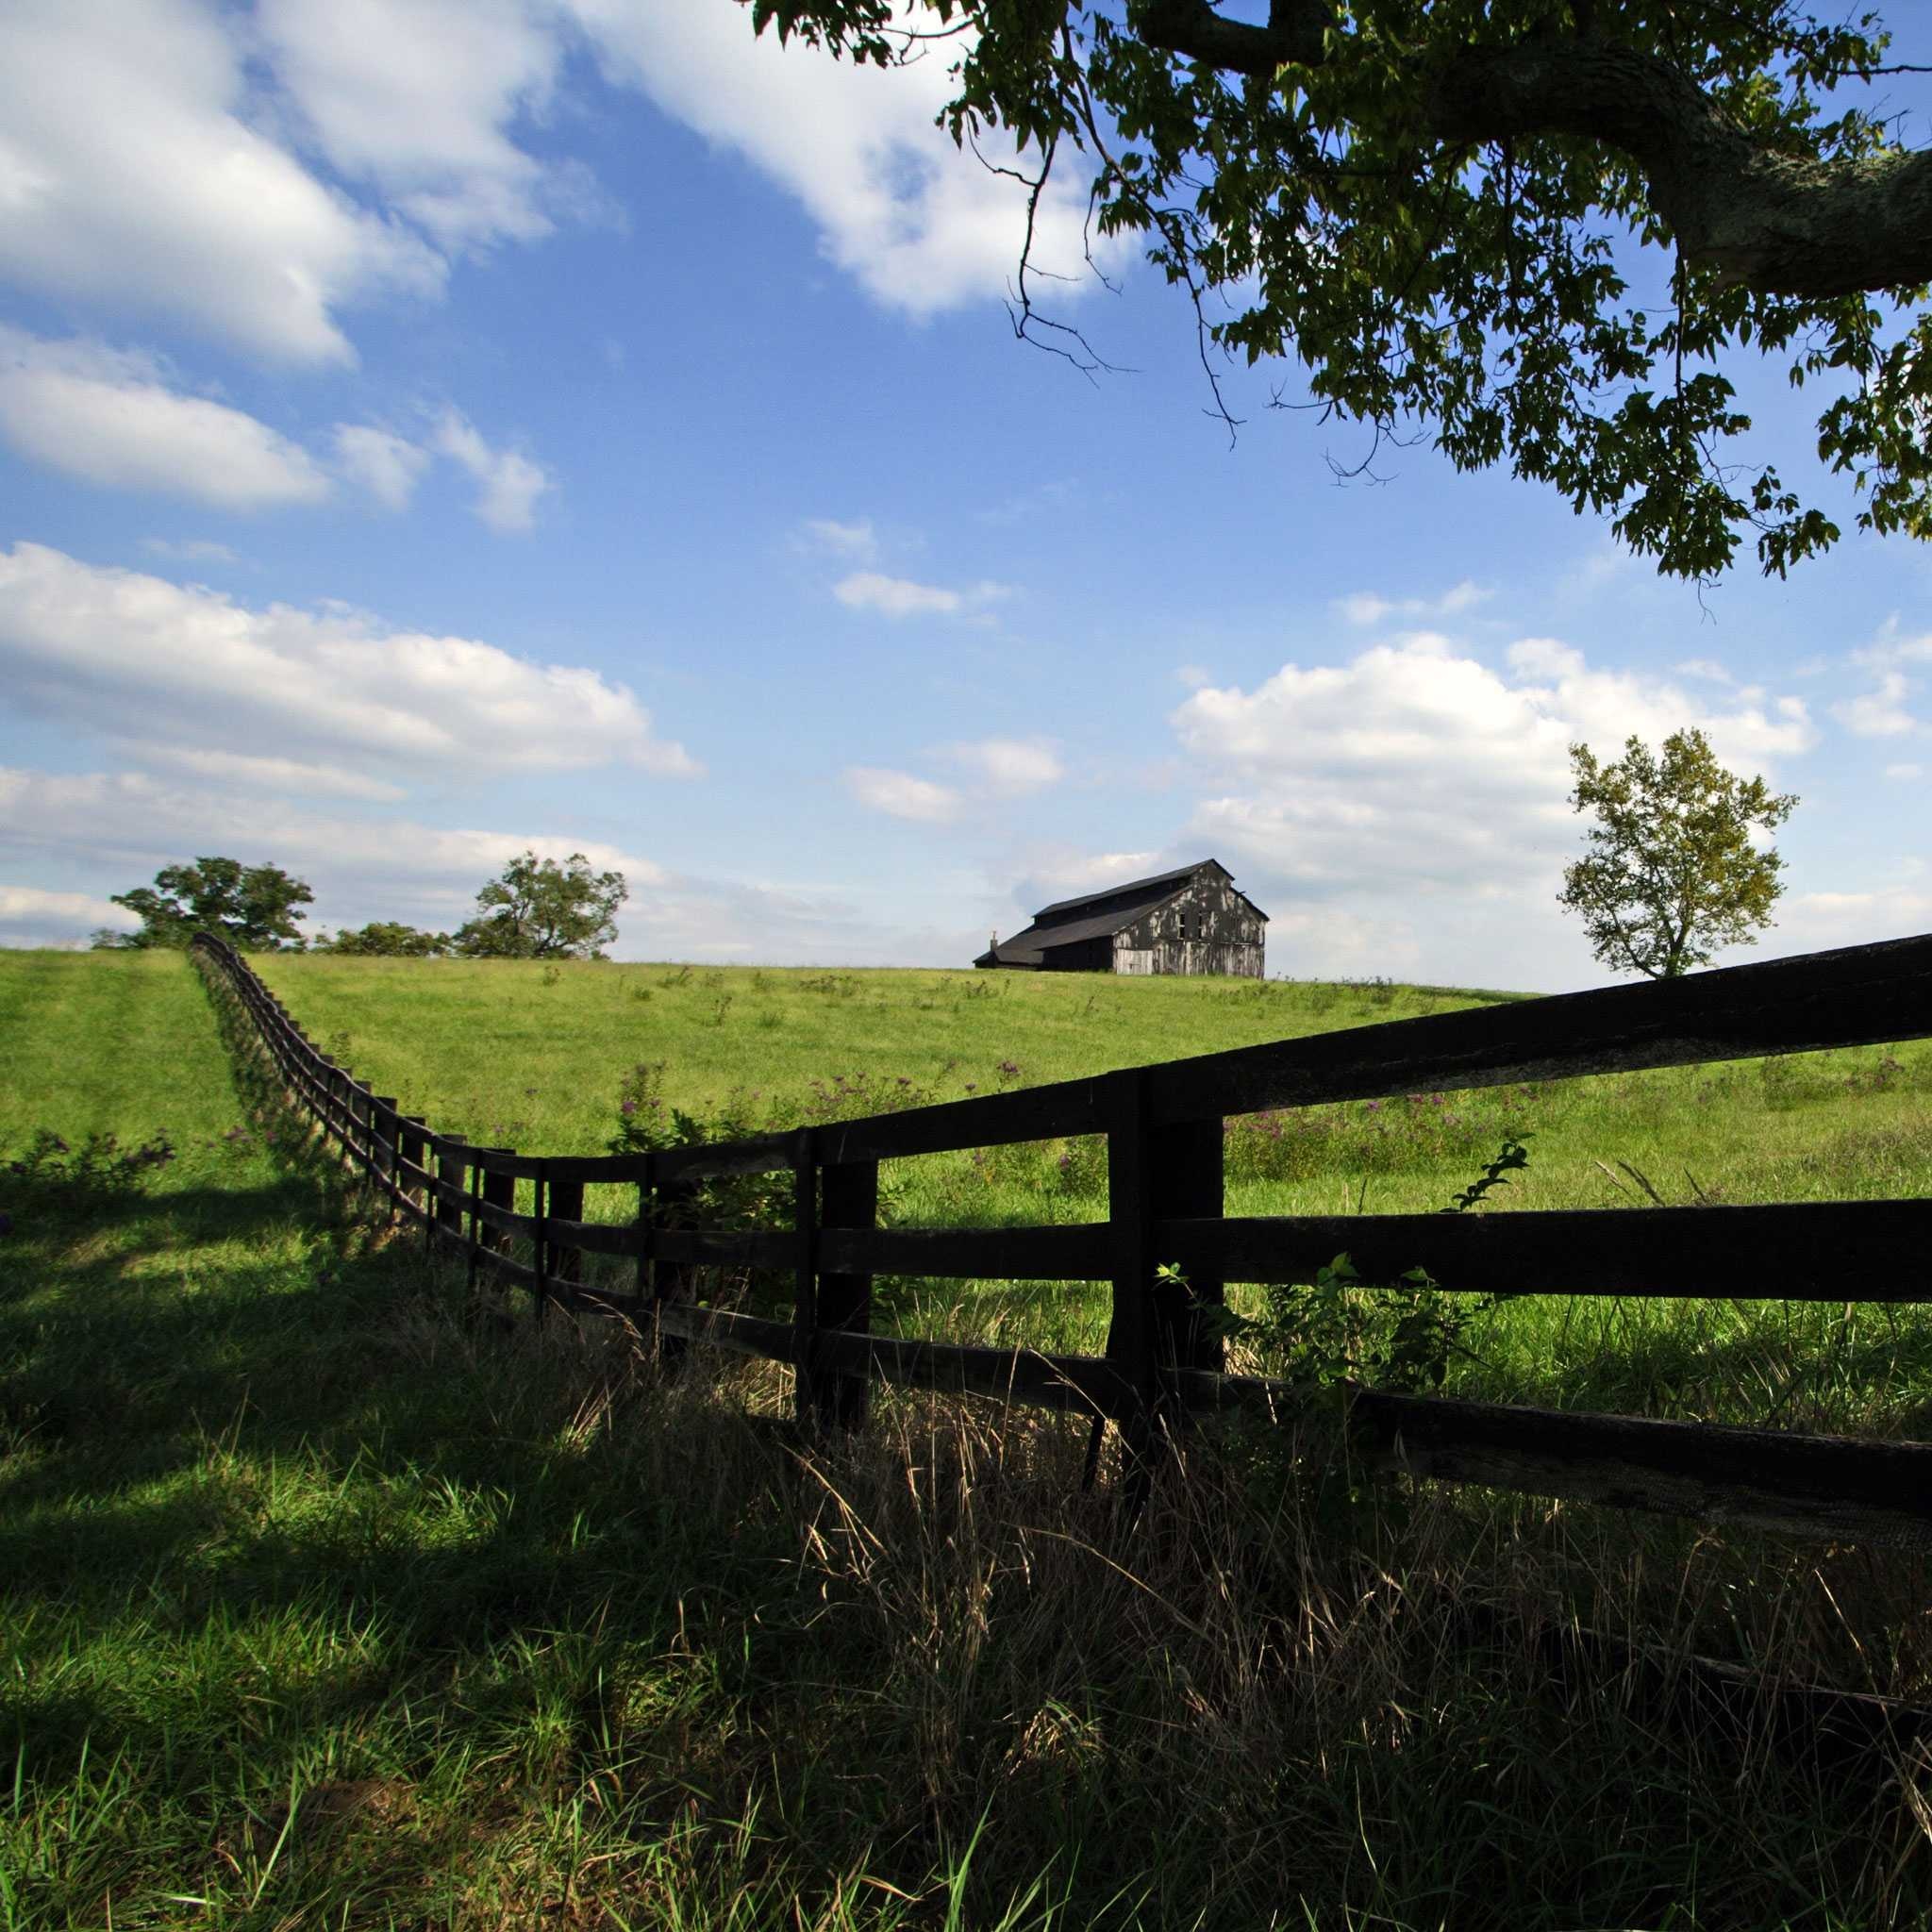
1293	35
1783	225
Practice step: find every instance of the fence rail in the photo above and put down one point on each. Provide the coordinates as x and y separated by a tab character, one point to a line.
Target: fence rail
1163	1127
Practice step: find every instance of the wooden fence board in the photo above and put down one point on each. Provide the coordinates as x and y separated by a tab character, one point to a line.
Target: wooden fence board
1855	997
1829	1250
1077	1252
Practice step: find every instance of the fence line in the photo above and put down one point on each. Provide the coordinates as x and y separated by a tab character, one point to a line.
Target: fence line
1164	1130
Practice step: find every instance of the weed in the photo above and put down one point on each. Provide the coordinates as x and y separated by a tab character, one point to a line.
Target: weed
51	1174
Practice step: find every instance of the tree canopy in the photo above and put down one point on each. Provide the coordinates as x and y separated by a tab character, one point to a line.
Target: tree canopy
387	939
251	906
1546	233
1670	873
538	909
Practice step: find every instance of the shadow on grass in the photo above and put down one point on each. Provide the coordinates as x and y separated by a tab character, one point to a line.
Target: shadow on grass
277	1515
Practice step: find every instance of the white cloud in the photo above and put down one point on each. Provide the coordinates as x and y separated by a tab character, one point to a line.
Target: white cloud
33	916
1065	872
1415	789
132	172
1707	668
858	541
109	416
868	589
900	794
1009	767
267	772
1364	607
415	97
510	483
1905	771
1193	675
1879	712
120	652
387	465
922	226
1809	921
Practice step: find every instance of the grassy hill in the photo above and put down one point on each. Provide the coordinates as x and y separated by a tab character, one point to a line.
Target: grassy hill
324	1604
534	1056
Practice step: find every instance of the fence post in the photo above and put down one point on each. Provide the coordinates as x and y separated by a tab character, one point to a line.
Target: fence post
564	1201
449	1214
671	1281
646	1233
1184	1180
499	1190
384	1149
851	1199
475	1232
412	1150
805	1307
539	1239
1131	1340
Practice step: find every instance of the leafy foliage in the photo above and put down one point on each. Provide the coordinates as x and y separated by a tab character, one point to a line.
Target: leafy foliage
1340	1329
538	909
1543	232
251	906
387	939
1670	873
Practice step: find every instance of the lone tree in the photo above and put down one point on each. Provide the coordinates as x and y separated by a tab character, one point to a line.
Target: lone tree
538	909
251	906
1670	873
1543	232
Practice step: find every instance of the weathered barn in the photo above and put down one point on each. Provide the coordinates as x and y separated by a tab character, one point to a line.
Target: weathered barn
1191	920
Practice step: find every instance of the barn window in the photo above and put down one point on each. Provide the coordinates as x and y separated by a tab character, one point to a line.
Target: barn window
1185	934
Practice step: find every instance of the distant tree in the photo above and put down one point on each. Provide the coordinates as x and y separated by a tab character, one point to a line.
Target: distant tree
251	906
387	939
1670	873
538	909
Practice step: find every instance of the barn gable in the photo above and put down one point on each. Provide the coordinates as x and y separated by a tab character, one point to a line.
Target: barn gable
1193	919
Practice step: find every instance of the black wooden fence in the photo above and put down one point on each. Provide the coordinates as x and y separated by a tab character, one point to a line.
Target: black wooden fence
1164	1133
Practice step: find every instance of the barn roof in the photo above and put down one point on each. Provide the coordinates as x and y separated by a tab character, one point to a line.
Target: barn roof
1097	915
1157	885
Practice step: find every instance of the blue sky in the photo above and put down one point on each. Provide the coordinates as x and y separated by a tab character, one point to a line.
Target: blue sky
433	427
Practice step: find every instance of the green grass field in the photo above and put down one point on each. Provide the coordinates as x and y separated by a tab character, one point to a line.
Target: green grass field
523	1055
322	1605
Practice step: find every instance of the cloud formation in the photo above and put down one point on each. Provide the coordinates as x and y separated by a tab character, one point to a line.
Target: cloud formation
896	597
1365	607
1414	789
33	916
121	652
387	465
191	209
922	226
857	540
109	416
901	796
509	483
1008	767
416	98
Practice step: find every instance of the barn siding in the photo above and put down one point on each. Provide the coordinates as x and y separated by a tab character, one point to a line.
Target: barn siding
1204	927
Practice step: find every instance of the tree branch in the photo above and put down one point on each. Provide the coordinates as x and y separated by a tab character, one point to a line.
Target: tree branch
1782	225
1294	34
